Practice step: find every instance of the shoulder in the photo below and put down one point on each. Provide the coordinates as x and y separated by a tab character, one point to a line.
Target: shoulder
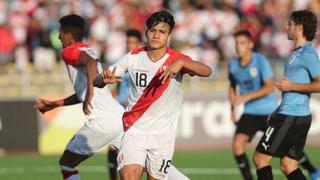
70	54
177	54
138	51
310	53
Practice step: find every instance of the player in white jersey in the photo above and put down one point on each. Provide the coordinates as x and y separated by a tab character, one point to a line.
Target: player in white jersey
104	124
155	98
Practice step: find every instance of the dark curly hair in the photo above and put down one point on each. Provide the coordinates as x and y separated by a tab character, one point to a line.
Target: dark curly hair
244	33
158	17
73	24
308	20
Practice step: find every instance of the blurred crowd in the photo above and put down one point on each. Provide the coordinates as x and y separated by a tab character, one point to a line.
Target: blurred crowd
204	29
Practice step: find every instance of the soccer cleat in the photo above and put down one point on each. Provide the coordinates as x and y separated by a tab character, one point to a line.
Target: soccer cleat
315	175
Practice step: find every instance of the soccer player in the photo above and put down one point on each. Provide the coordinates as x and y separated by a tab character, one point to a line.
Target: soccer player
104	114
251	72
134	41
155	98
288	126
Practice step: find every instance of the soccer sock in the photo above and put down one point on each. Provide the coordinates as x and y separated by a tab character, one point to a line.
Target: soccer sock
296	175
244	166
69	173
175	174
265	173
306	164
112	165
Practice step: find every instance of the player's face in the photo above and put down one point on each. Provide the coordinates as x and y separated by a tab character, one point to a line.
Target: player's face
291	30
133	43
243	45
65	38
158	36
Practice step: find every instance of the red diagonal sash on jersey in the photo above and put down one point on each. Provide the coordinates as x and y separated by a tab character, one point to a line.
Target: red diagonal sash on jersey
151	93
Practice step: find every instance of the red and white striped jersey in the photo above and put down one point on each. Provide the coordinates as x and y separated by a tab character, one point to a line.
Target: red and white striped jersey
102	102
153	107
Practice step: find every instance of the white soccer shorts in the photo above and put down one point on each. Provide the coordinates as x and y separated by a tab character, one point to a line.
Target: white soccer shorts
95	134
154	152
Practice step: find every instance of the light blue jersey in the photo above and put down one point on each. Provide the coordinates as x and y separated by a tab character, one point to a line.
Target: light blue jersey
123	90
250	78
301	68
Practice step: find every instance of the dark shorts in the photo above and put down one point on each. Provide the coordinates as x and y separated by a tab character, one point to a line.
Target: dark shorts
250	124
285	136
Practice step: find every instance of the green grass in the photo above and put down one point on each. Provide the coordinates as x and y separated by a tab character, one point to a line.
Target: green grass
201	165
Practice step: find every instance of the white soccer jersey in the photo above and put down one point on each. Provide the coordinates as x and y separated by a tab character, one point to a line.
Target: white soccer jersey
153	107
102	102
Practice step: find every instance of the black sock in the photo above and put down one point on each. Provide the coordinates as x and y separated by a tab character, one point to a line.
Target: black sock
112	165
296	175
265	173
244	166
306	164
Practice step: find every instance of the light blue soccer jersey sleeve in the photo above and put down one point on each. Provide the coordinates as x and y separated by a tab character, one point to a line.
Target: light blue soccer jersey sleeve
312	64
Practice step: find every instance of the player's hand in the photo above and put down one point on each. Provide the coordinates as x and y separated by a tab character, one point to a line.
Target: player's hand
174	68
87	106
284	84
44	105
109	77
240	100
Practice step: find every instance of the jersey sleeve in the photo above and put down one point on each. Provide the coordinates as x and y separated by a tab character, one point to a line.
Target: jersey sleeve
265	68
121	66
312	64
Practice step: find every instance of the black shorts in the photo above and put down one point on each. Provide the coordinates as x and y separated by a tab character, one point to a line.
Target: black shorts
249	124
285	136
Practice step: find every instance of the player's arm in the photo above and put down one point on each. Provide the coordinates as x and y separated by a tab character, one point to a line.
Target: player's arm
192	67
286	85
91	69
232	98
263	91
112	74
44	105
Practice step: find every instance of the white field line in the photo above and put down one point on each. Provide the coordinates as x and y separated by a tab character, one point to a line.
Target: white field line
103	169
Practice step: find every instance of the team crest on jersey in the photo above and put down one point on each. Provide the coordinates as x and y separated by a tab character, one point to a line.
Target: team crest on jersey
292	58
253	72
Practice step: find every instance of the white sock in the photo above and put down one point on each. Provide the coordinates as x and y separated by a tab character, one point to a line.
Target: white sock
69	173
175	174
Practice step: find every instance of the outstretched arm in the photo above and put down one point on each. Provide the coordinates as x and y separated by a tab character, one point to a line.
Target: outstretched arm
44	105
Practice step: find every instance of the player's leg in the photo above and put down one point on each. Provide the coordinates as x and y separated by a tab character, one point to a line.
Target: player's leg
159	156
132	156
175	174
290	167
68	163
290	163
262	163
239	144
247	127
89	139
112	163
306	164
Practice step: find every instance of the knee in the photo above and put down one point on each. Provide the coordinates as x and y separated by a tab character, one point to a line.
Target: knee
130	173
238	146
287	168
261	160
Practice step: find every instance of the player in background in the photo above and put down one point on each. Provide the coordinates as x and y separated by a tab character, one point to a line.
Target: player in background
288	126
252	74
155	98
104	114
134	41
